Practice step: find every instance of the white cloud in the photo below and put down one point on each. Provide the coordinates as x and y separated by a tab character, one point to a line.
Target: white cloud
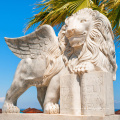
2	99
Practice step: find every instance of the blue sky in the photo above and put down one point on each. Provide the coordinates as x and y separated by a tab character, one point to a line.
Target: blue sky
14	14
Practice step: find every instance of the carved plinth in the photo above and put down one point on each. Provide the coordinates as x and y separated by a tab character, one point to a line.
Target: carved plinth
91	94
97	93
70	102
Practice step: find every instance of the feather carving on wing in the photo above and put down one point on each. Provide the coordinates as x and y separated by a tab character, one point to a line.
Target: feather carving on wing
32	45
42	42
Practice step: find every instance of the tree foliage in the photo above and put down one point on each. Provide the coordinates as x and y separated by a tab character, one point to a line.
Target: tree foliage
54	12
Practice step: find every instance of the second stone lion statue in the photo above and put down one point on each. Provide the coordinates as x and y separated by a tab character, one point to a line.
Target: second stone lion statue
84	44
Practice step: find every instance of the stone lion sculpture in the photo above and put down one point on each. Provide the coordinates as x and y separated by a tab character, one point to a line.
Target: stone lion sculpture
86	41
84	44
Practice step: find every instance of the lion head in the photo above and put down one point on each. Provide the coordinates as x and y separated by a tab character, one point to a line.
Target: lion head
91	33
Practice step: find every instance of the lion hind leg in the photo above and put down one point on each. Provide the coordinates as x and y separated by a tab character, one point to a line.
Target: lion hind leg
52	96
41	92
16	90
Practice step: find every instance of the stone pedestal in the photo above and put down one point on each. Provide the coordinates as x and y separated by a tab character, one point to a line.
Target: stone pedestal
27	116
91	94
97	94
70	101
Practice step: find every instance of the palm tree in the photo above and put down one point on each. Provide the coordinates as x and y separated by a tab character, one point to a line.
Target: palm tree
54	12
113	8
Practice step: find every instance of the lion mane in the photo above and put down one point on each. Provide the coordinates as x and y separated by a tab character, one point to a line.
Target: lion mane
98	48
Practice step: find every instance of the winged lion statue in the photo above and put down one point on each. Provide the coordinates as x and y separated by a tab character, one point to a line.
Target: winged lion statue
41	62
84	44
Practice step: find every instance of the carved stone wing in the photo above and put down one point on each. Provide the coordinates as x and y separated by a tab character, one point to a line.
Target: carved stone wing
34	44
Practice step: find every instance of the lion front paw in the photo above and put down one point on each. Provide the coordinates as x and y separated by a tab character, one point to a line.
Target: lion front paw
84	67
51	108
10	108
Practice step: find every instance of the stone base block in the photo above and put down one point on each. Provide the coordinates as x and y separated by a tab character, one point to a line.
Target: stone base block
97	93
70	101
88	94
27	116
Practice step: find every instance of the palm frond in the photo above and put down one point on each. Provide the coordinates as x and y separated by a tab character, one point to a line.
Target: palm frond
54	12
114	13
